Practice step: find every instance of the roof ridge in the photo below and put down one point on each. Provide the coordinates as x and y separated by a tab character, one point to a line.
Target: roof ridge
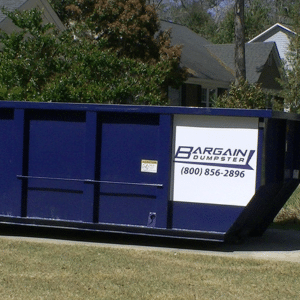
222	63
269	29
171	22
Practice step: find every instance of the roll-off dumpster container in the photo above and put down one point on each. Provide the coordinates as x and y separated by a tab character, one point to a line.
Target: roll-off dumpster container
199	173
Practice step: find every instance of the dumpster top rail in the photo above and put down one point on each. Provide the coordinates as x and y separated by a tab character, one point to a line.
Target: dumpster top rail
258	113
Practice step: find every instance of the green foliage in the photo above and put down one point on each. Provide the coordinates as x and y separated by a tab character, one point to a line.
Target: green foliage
290	81
31	21
37	64
130	27
244	95
219	29
256	18
256	21
60	8
194	15
225	33
259	15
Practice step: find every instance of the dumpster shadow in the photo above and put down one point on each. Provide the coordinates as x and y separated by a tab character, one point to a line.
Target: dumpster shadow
273	240
274	244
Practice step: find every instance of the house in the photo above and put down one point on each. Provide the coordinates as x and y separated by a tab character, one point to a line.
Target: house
211	67
262	62
49	15
279	34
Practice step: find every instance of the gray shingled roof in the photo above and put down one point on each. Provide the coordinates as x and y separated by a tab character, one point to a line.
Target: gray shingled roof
216	62
257	55
10	5
194	54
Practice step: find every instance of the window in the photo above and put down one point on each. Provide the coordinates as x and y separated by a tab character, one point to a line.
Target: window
207	97
199	96
191	94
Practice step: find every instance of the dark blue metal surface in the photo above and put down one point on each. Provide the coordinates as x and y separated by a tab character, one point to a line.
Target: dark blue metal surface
56	149
260	154
275	145
204	217
79	166
11	139
125	141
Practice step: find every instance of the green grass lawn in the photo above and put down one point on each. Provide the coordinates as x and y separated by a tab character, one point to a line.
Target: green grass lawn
289	215
31	270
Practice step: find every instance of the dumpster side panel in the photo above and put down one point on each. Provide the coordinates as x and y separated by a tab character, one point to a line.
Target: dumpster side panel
275	146
129	146
292	157
56	156
205	217
11	137
260	177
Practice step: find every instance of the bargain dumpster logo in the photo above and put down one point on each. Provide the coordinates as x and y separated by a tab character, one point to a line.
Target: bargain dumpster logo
216	157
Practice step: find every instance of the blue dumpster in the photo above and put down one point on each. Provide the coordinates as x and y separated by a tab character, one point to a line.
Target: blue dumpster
193	173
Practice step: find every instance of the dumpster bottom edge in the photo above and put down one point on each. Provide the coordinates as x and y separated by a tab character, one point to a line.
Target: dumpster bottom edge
211	236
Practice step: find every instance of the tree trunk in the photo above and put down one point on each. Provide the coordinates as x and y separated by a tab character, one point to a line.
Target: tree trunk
239	55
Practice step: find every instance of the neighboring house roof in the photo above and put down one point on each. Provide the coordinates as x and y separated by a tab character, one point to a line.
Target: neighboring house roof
257	56
216	62
194	54
49	15
10	5
262	37
279	34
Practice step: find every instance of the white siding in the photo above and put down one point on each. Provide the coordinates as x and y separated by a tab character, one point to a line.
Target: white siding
282	42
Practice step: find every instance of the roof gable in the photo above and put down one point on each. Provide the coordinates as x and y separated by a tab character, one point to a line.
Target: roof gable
264	36
279	34
257	56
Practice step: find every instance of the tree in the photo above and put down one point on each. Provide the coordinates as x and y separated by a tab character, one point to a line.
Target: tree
60	8
239	50
258	16
245	95
192	14
225	31
38	64
290	82
130	27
